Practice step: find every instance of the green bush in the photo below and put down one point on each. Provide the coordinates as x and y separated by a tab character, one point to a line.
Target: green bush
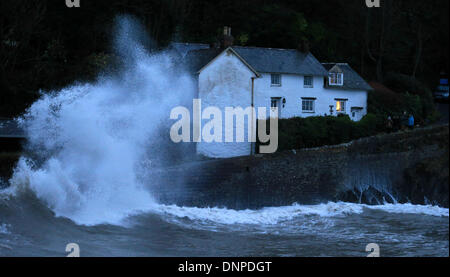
369	125
298	133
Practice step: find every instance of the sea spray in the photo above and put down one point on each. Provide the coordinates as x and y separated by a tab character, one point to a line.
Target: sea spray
88	141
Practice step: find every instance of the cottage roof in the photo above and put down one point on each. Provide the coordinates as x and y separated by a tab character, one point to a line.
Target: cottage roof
352	80
263	60
197	59
274	60
288	61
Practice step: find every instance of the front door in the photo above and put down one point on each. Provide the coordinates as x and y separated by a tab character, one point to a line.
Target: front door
357	114
275	103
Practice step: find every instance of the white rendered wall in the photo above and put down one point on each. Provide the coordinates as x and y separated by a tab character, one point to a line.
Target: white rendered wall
226	82
356	98
292	89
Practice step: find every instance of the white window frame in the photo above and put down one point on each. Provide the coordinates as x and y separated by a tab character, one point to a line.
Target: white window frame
313	105
273	78
308	77
336	79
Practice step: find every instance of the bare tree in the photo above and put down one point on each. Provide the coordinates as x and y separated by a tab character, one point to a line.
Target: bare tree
385	24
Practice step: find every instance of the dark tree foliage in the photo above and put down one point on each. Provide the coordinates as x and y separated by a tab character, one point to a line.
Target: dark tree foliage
44	45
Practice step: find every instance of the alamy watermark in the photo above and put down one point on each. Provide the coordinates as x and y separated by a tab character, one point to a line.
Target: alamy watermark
373	3
73	3
373	249
215	130
73	249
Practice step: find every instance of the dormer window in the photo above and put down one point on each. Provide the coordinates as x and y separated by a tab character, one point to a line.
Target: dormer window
336	79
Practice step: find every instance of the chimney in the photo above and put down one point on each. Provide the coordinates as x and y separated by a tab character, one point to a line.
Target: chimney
227	39
304	46
227	31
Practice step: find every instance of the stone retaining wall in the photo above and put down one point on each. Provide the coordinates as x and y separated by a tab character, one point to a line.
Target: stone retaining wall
345	172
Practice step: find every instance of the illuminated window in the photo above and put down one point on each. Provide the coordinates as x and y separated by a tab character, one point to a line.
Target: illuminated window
336	79
340	106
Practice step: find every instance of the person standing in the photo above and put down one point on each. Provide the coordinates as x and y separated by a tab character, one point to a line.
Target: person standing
404	121
411	122
389	124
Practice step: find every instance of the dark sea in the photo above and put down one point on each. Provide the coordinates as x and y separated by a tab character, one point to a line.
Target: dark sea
28	227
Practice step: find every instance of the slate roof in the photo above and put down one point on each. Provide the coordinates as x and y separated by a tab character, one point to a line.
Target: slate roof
263	60
197	59
273	60
288	61
352	80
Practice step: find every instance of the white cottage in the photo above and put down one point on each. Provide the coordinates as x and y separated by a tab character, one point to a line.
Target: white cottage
294	81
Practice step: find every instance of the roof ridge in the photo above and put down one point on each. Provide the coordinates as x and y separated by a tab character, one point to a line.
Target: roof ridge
270	48
238	46
335	63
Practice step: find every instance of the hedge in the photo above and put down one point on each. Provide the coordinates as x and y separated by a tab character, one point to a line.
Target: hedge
298	133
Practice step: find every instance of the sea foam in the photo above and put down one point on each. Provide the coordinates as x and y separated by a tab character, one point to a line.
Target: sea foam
88	141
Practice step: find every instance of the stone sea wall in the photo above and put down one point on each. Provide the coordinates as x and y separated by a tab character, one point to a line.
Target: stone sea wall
410	166
407	166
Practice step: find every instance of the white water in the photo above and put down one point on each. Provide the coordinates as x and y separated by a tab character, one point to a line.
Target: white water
91	140
275	215
4	228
